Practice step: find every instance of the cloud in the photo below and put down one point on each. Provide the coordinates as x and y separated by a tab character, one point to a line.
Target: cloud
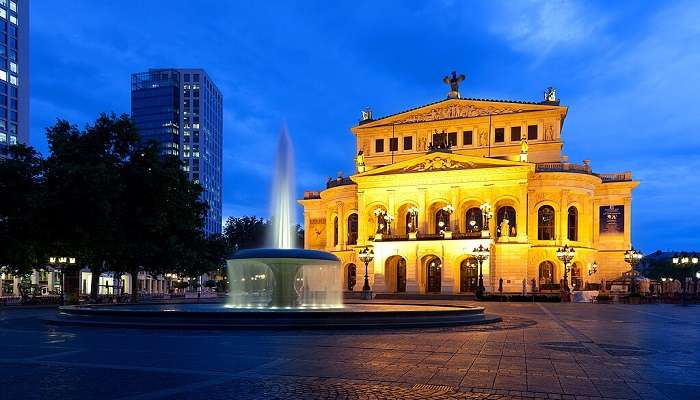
539	27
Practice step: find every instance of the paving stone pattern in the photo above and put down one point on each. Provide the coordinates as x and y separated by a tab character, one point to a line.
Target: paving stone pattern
539	351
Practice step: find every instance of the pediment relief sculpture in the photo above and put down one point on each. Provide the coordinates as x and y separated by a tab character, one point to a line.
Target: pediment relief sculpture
438	164
458	111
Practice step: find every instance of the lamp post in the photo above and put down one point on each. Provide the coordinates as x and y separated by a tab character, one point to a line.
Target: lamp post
633	257
60	263
685	261
481	254
565	255
366	255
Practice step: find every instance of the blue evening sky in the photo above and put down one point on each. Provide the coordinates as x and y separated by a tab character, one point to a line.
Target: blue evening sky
629	72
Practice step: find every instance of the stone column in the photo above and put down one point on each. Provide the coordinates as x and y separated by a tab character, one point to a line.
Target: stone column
423	211
562	231
628	222
342	240
522	215
362	224
454	217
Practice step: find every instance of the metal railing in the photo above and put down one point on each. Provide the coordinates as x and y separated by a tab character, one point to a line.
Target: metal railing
340	181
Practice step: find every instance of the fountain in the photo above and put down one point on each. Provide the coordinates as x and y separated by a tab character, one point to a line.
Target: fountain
282	277
280	287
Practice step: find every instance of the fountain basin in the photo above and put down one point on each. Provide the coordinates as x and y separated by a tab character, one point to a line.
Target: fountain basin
284	279
217	316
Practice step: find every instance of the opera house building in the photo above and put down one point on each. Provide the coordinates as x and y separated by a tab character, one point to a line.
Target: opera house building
435	182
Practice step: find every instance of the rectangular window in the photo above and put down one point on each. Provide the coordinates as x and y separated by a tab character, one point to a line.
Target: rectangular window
394	144
379	146
532	132
13	139
3	13
13	19
13	67
452	139
499	135
408	142
467	138
514	133
3	138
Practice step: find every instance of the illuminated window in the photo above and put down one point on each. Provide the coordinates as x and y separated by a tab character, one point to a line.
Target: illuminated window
13	19
3	13
13	6
573	224
13	139
3	138
545	223
13	80
3	75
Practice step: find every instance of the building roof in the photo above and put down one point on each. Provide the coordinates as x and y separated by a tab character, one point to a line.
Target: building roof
471	99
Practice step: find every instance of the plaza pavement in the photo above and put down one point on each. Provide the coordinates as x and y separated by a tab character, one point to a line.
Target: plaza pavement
560	351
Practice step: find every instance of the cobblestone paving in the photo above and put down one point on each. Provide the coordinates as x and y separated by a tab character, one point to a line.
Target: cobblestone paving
558	351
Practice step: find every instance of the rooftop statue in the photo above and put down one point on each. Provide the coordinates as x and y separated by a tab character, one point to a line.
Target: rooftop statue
454	81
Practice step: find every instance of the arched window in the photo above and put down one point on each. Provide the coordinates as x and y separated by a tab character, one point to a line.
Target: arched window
573	224
506	213
545	223
475	219
546	273
352	229
411	222
442	221
335	230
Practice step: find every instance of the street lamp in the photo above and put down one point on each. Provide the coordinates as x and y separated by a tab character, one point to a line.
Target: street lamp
60	264
633	257
685	261
481	254
565	255
366	255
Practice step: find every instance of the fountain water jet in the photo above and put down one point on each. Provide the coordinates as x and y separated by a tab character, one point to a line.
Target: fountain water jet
283	277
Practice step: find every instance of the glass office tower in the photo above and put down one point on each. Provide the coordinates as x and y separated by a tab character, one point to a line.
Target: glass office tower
182	109
14	73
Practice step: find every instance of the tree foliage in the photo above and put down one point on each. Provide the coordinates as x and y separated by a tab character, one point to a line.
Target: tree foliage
250	232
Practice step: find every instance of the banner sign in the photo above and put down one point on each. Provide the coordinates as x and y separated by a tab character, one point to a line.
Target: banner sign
612	219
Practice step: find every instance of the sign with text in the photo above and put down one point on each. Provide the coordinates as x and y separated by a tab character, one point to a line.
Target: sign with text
612	219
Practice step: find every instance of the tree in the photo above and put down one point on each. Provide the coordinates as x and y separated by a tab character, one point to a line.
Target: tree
22	226
161	215
83	186
245	232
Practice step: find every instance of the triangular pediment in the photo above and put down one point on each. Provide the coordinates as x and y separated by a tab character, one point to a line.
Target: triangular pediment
458	108
441	161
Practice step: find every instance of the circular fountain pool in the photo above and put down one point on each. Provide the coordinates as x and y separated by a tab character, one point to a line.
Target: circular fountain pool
218	316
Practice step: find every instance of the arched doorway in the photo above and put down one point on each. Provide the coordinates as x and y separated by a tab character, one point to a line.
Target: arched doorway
433	275
468	275
351	276
546	274
401	276
576	278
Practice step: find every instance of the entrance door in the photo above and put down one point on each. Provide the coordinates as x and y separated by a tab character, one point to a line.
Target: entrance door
468	276
352	276
576	280
434	279
401	276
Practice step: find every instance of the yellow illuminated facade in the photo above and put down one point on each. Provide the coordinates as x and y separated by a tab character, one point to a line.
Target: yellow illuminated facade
435	182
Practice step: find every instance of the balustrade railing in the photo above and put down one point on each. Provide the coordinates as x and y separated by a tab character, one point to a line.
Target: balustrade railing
582	169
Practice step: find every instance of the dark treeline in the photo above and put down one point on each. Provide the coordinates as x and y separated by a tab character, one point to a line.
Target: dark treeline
114	203
106	198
